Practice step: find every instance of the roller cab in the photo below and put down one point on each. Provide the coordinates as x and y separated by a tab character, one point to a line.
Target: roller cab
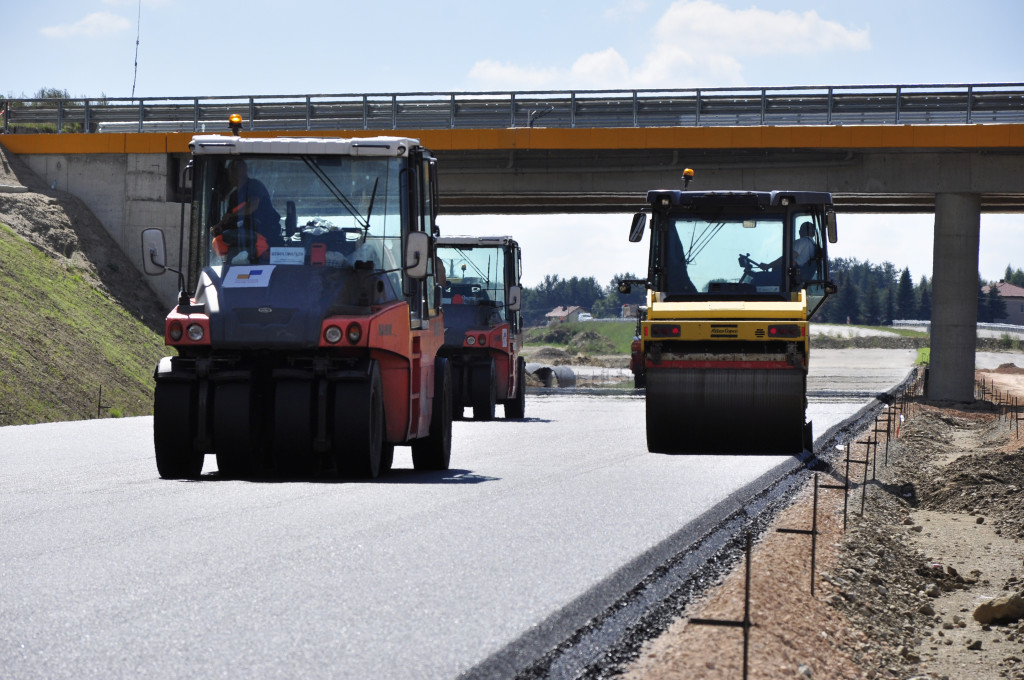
722	346
482	297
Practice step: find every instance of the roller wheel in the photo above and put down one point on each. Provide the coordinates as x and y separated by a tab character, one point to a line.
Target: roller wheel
387	457
358	441
233	437
434	452
516	406
293	427
482	389
174	431
458	394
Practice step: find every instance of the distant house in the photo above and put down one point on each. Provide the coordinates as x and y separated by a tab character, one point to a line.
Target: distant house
629	310
563	313
1013	296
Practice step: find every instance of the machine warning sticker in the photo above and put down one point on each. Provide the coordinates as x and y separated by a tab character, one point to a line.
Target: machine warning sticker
248	276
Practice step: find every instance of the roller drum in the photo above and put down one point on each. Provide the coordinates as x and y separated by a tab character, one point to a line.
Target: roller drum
725	411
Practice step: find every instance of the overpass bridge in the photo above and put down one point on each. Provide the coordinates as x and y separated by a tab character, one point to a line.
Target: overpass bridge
953	149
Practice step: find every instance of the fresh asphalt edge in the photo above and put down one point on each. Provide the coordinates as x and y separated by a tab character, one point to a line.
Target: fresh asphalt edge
602	630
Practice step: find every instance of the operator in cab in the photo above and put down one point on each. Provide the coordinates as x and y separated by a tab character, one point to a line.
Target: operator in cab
250	226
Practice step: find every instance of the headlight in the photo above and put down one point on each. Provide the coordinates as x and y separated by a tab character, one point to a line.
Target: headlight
483	339
175	331
470	340
332	334
195	332
354	332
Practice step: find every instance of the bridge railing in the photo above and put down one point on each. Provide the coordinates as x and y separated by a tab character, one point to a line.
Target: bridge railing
839	105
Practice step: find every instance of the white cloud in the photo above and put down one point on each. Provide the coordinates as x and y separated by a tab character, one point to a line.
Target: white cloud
493	75
694	43
600	69
706	27
93	25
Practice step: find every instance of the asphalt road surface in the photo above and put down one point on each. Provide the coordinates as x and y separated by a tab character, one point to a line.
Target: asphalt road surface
108	571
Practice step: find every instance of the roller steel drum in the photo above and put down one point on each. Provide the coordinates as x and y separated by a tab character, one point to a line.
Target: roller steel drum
715	410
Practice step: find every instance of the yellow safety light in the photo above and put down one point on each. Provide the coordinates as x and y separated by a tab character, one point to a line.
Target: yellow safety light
235	122
687	176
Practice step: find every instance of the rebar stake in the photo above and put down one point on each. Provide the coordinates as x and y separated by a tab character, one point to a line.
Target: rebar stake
745	623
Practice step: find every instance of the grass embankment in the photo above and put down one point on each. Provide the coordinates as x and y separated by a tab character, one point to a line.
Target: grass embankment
584	337
62	340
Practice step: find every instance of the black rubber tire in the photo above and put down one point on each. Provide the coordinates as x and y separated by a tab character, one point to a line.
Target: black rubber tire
294	415
387	457
434	452
458	394
233	423
174	430
482	390
515	408
358	441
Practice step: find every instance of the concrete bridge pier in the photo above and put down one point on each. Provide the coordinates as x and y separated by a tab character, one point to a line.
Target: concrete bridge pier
954	297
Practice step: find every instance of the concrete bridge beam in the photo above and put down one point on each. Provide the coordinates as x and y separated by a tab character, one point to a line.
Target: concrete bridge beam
954	297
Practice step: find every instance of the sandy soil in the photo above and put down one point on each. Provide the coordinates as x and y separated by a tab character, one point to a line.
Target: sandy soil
895	593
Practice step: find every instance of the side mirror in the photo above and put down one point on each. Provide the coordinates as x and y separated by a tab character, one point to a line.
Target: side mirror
625	287
830	226
636	231
515	298
154	252
417	254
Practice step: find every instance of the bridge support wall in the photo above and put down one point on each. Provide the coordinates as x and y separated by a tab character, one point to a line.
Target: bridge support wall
954	297
127	193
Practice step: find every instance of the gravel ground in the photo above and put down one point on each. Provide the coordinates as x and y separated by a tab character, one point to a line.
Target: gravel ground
896	593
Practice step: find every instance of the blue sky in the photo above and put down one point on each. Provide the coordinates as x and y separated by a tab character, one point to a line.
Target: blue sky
191	48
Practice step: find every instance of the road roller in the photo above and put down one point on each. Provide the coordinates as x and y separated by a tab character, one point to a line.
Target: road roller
722	344
308	321
483	326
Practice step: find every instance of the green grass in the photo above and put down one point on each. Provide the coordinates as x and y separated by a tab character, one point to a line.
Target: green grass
62	339
924	356
902	332
588	337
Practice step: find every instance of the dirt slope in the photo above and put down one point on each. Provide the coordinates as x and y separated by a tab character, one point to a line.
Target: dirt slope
942	533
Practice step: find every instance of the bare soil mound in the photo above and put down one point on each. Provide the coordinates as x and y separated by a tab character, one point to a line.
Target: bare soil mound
940	535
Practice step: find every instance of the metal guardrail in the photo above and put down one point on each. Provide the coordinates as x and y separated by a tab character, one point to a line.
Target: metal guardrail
811	105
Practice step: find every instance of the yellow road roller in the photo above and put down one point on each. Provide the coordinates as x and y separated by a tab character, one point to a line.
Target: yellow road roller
722	345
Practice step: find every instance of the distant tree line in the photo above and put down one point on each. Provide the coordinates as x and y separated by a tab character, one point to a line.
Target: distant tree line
869	294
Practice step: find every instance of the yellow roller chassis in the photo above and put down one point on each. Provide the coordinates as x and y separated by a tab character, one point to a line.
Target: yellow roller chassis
726	377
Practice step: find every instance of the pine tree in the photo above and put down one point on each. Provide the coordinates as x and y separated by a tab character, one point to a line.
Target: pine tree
924	304
905	299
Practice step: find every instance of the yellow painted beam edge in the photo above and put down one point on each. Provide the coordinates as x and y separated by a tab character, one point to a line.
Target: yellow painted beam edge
769	137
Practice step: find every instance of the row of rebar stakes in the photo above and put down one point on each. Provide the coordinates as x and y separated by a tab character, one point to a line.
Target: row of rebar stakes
894	416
